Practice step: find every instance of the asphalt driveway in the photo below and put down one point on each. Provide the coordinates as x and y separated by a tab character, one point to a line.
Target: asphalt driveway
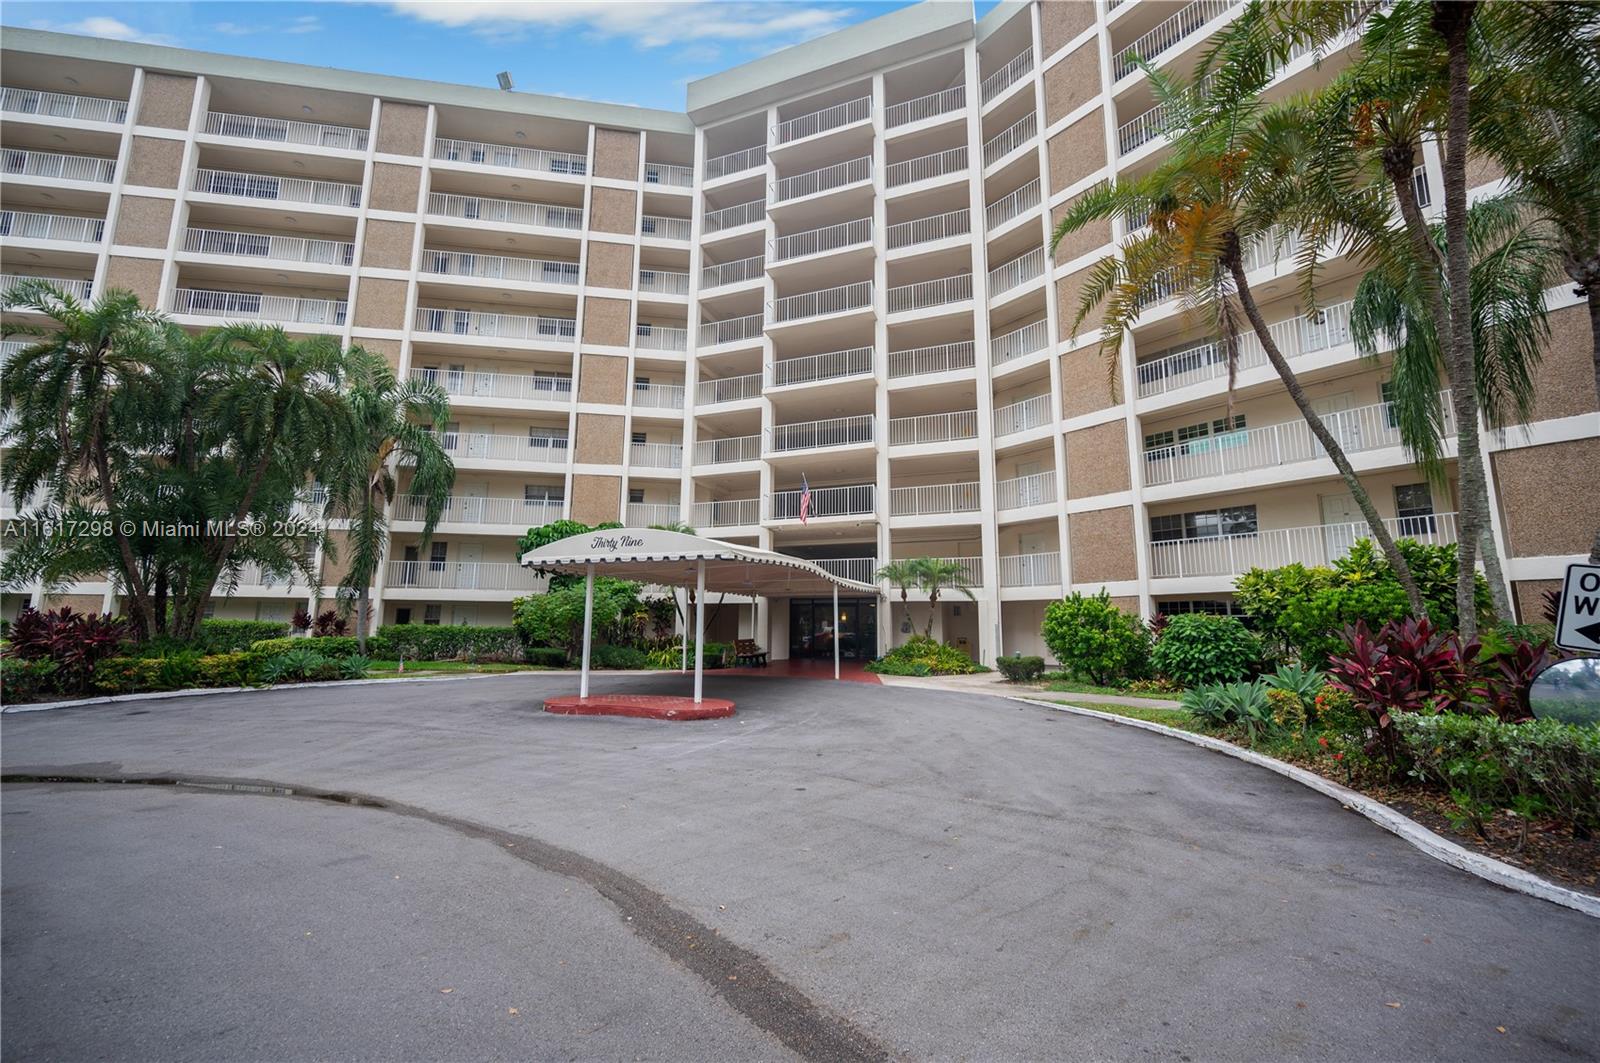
839	871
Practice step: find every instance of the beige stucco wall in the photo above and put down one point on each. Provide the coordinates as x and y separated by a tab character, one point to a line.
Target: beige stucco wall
1091	237
144	221
380	303
599	439
1077	151
82	603
1097	460
1086	383
1069	290
166	101
1563	383
1072	82
1102	545
596	499
141	276
394	187
402	128
1481	169
155	162
388	244
616	154
1528	595
1062	20
603	378
388	350
611	210
606	321
1548	498
610	265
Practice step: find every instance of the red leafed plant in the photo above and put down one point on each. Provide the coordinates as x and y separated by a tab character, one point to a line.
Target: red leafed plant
1408	666
76	641
1552	605
301	621
1504	680
330	622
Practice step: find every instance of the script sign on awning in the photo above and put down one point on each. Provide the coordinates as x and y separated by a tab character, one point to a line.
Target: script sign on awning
1578	626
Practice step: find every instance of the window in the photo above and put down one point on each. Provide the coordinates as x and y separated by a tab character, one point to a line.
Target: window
432	614
437	554
636	496
541	494
1199	605
648	225
639	438
210	611
1413	504
652	175
1203	524
402	615
1157	441
1391	417
547	438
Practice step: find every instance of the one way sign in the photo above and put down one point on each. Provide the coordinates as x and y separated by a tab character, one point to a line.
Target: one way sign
1578	627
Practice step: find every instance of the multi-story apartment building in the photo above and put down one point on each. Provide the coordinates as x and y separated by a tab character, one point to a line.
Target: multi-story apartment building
832	270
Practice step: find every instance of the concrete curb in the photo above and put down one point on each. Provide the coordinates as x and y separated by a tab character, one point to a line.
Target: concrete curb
194	692
1485	867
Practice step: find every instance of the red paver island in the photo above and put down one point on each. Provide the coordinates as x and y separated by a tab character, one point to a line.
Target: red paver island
644	706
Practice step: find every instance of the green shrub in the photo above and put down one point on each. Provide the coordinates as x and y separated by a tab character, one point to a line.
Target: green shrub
1242	704
324	645
228	669
921	655
354	667
1197	648
437	642
1020	669
178	671
231	636
548	656
623	657
22	680
127	675
1093	638
555	618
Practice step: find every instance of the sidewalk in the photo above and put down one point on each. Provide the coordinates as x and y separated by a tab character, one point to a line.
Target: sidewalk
995	683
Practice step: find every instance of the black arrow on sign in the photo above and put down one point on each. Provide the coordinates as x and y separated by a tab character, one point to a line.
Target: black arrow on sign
1590	632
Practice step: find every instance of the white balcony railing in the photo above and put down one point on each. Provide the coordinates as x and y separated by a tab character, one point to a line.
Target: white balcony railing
733	330
29	226
812	368
933	227
819	435
716	221
497	267
932	500
1036	489
725	273
943	358
477	509
933	428
859	569
279	248
63	105
538	447
827	301
513	211
725	449
1010	139
11	348
1144	128
818	241
1006	76
1186	21
644	514
728	389
1019	343
813	182
1364	428
463	576
664	228
656	455
924	295
736	162
727	513
1296	336
279	189
500	326
558	162
929	106
285	131
78	289
1270	248
806	125
1021	416
925	167
1316	544
652	337
53	164
256	306
855	500
664	282
1030	570
1025	267
1010	206
658	396
666	173
484	384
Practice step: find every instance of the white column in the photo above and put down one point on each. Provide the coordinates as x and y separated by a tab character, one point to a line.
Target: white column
836	631
588	628
684	667
699	626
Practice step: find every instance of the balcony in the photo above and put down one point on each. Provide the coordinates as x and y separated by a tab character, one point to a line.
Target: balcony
643	514
857	233
517	513
666	173
838	300
924	107
515	212
929	428
89	168
494	326
1011	139
715	221
1006	76
1019	343
735	272
1021	416
822	435
816	368
658	396
659	227
1020	270
655	455
80	290
1011	206
826	179
462	576
859	569
256	306
510	156
490	446
733	330
1030	570
727	513
285	131
935	500
1020	492
926	167
1187	21
480	384
1145	128
63	105
728	389
22	225
943	358
663	282
736	162
829	118
279	189
855	500
727	450
9	349
925	295
926	230
276	248
651	337
1316	544
1364	428
1295	337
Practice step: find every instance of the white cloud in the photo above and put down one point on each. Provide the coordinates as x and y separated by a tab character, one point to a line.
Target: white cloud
105	26
646	25
305	24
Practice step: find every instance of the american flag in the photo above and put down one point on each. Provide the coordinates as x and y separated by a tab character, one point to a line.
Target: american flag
805	498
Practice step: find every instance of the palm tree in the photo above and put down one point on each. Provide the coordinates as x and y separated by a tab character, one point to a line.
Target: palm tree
903	574
390	422
1215	196
934	574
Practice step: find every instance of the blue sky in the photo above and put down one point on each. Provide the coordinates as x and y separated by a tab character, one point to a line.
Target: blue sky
622	52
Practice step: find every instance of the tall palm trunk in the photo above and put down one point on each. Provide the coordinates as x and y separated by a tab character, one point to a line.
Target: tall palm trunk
1330	445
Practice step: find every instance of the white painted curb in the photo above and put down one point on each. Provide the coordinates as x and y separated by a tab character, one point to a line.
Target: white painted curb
1485	867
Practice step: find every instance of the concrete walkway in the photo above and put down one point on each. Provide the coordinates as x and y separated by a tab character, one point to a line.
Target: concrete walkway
995	683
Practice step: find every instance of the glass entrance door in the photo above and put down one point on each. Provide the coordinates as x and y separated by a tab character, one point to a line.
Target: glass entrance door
813	628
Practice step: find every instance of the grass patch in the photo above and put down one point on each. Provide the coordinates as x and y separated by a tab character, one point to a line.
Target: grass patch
1175	718
1073	686
388	669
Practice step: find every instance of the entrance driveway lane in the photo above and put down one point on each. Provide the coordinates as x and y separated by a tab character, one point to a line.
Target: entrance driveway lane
960	875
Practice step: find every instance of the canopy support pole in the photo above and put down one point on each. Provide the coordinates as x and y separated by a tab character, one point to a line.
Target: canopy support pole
684	667
838	624
588	627
699	627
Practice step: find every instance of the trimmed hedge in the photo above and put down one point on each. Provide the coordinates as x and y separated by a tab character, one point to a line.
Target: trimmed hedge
622	657
330	646
179	671
232	636
1020	669
436	642
547	656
